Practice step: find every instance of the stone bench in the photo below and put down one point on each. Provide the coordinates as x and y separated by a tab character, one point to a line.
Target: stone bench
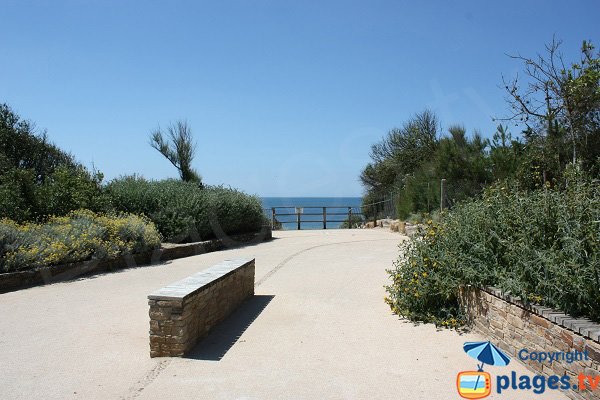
183	313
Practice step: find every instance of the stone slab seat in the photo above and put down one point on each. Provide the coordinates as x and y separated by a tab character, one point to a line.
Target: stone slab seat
184	312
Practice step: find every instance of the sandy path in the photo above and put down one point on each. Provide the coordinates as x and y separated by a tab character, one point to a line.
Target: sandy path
317	329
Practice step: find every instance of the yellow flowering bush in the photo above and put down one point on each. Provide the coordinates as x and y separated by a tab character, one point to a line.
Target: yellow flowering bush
81	235
422	288
540	245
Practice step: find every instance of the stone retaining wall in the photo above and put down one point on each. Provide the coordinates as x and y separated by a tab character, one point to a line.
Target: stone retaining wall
184	312
514	326
59	273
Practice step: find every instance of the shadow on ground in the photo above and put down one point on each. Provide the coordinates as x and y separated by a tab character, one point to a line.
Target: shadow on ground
226	334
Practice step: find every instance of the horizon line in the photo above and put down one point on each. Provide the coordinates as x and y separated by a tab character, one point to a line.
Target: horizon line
313	197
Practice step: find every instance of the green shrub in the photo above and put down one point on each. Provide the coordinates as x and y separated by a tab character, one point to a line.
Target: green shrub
81	235
184	212
420	194
415	218
232	211
18	194
37	179
23	198
424	288
354	221
71	189
541	246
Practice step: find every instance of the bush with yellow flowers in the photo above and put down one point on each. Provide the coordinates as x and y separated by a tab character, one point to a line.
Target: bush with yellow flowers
541	245
79	236
422	288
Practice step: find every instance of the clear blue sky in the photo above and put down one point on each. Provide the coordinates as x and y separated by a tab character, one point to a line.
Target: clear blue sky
284	97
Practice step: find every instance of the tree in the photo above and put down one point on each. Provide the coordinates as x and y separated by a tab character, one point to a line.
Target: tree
21	147
560	99
71	189
179	148
37	179
400	152
505	154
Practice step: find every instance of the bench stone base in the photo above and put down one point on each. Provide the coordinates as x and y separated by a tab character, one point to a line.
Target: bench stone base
184	312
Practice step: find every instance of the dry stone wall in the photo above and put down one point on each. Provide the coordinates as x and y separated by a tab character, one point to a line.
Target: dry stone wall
514	326
183	313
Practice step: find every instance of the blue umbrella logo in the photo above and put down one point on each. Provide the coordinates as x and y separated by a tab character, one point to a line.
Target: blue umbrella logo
486	353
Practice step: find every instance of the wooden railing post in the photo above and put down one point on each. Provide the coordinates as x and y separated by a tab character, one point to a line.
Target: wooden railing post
273	218
298	217
349	217
324	217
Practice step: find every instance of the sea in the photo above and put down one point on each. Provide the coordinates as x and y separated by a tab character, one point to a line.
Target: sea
311	205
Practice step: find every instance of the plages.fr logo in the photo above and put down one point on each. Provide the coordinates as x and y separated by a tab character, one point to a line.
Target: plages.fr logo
478	384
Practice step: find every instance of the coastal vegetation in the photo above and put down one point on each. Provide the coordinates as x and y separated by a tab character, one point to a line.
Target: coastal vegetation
541	246
354	221
54	210
557	110
78	236
524	213
183	211
37	179
177	145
